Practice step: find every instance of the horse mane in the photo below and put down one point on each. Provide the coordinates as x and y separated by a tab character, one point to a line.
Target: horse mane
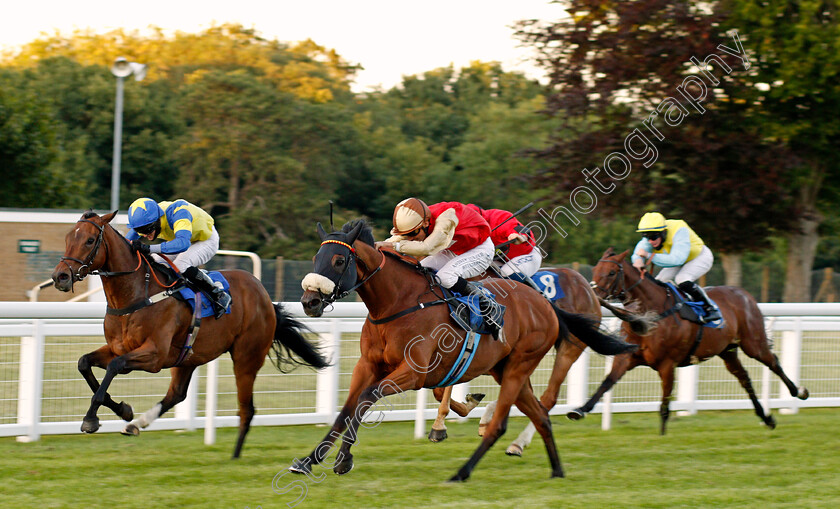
365	235
89	213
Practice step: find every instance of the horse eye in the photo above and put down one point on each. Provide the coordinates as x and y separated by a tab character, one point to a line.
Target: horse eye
90	241
612	273
339	262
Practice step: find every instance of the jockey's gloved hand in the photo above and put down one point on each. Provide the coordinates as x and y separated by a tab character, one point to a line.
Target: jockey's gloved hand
140	247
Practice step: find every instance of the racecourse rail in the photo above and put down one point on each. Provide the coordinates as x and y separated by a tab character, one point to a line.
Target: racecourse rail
41	391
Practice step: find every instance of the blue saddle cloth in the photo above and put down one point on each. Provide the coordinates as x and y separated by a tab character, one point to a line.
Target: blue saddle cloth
549	285
697	307
206	302
466	312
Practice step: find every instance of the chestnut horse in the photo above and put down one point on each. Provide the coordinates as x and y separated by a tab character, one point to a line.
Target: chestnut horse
578	298
408	342
153	336
674	341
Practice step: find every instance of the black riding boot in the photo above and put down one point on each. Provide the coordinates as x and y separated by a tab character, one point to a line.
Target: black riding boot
693	289
202	282
492	312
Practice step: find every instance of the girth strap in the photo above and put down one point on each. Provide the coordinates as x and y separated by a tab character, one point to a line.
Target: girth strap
192	332
462	363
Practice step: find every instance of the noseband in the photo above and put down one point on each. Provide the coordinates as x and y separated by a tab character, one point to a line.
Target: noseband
617	288
352	259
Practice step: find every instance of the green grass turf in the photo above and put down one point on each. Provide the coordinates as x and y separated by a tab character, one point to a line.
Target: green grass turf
713	459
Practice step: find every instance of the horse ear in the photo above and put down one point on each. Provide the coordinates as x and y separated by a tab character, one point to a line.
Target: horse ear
321	232
623	255
354	233
108	217
609	252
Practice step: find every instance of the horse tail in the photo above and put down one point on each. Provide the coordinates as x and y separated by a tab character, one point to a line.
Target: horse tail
288	336
586	329
639	324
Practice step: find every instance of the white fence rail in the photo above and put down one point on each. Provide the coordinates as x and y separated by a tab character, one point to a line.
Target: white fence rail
41	391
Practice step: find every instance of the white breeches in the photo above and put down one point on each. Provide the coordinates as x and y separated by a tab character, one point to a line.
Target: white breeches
691	271
450	266
199	252
527	264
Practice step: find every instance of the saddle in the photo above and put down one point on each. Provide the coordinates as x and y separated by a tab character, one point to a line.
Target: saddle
464	310
686	307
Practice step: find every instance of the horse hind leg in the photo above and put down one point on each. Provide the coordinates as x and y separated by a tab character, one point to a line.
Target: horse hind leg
758	347
666	374
734	366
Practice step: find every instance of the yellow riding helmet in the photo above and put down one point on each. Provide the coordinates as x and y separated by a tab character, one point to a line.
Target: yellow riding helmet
651	222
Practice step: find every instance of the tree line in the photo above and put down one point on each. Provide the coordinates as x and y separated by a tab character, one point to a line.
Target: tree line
263	134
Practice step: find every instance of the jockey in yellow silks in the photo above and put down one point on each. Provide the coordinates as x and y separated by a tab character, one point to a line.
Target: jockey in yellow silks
673	245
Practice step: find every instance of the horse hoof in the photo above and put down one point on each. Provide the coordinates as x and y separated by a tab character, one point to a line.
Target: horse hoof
770	422
459	477
474	398
558	473
514	450
437	435
803	393
300	467
90	425
575	415
131	430
481	429
344	467
126	413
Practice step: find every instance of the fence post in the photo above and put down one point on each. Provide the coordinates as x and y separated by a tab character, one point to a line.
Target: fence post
326	392
687	384
790	361
606	412
420	414
577	380
31	386
210	402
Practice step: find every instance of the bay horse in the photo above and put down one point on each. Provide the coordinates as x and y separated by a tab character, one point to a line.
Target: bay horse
578	298
675	342
148	334
409	341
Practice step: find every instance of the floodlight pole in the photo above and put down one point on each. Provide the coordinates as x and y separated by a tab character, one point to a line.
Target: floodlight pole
115	165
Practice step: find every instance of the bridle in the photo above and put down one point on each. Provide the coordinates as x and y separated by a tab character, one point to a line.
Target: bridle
617	288
352	258
84	265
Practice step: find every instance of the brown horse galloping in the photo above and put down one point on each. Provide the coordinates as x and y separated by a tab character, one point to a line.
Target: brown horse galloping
673	342
578	298
408	343
152	337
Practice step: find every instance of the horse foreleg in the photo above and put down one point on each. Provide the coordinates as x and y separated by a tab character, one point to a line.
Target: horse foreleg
734	366
177	392
666	374
403	379
567	354
438	432
512	383
100	358
145	357
364	374
621	365
538	415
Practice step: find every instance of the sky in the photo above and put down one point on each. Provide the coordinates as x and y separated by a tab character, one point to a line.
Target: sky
389	38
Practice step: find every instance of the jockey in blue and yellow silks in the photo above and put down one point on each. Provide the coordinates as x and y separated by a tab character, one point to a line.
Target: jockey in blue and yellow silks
673	245
178	228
